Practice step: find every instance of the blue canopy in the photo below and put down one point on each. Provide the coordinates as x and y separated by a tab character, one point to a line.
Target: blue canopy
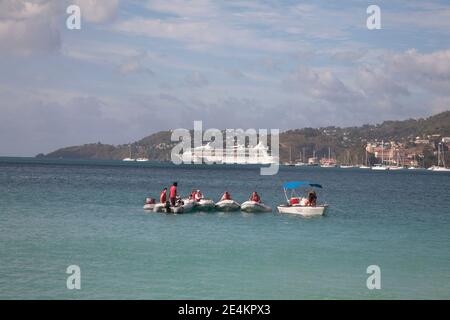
296	184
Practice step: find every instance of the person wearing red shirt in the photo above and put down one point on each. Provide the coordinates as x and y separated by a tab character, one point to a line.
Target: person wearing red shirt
226	196
163	196
173	193
255	197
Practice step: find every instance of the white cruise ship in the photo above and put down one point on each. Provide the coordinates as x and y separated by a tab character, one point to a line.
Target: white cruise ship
238	154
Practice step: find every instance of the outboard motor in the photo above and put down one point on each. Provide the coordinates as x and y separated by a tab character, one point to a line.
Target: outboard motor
167	207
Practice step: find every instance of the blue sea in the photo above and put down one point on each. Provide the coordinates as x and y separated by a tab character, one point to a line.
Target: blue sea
57	213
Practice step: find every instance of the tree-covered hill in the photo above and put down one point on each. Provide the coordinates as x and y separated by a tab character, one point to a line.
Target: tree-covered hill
297	144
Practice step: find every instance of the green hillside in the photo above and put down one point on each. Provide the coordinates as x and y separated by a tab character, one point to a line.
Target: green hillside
296	142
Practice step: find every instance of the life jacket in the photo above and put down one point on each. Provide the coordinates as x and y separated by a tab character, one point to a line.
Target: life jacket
198	196
294	201
163	196
256	198
173	192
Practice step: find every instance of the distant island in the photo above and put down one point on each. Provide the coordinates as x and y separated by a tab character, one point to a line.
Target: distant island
414	139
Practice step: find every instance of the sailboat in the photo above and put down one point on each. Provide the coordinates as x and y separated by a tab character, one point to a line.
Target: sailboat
414	167
129	158
328	163
302	159
290	163
397	165
366	165
440	160
381	166
348	164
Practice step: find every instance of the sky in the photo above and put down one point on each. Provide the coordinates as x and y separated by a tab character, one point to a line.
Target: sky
138	67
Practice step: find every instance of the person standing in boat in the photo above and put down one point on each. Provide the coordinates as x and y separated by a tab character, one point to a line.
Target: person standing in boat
255	197
163	196
226	196
173	193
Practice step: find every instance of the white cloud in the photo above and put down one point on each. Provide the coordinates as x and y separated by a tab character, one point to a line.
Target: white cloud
136	64
319	84
98	11
184	8
28	27
196	79
429	65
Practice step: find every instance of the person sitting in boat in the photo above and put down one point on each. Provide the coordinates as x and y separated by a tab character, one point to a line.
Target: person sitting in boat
255	197
163	196
198	196
149	201
304	202
179	202
312	199
173	193
226	196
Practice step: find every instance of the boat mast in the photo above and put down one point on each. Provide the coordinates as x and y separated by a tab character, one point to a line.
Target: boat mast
443	156
438	154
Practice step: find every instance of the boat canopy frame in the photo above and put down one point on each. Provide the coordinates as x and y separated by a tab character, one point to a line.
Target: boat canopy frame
297	184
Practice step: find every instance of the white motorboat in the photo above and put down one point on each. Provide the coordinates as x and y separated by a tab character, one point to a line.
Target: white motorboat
205	205
298	205
227	205
345	166
142	159
364	167
253	206
305	211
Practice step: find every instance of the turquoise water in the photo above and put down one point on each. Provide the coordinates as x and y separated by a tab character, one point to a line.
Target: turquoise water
55	213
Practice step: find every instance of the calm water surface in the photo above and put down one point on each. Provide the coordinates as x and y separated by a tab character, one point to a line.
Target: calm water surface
57	213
